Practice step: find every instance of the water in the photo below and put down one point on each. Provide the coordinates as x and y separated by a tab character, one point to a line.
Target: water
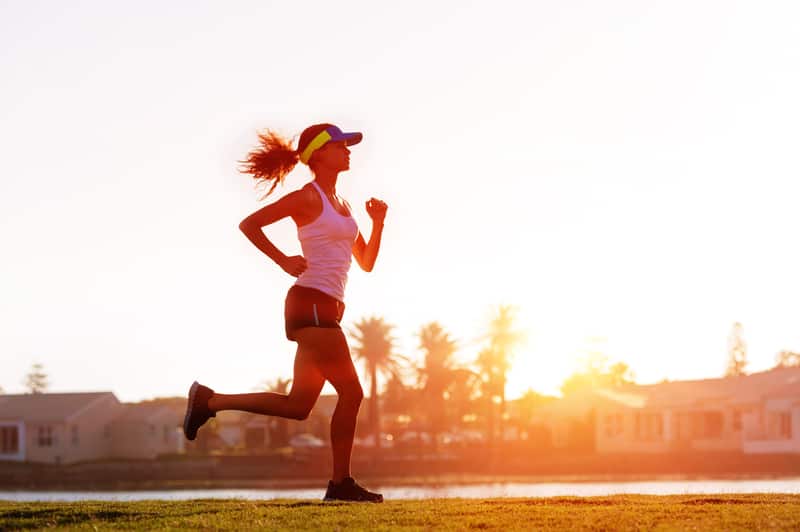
488	490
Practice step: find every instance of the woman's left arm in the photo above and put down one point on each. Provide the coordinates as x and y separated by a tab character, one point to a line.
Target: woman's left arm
366	252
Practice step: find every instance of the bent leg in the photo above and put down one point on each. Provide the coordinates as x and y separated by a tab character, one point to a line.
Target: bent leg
332	359
306	386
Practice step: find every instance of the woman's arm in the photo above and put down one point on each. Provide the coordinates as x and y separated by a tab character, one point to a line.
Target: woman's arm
367	252
289	205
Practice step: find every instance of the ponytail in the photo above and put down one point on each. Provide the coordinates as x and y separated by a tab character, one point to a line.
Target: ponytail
271	161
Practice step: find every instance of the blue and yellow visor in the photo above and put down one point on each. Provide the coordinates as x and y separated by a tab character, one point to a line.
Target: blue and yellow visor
331	133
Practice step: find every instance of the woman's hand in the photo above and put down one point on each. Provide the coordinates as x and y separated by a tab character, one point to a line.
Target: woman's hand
294	266
376	210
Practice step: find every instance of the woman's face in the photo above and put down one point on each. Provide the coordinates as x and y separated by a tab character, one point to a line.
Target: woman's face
333	156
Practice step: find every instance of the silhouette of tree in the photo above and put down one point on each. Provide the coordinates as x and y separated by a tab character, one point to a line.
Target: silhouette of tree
36	379
597	372
463	390
494	362
737	352
437	372
396	395
278	426
374	344
787	359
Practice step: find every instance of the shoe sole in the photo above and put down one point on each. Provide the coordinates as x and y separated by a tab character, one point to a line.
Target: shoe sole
189	407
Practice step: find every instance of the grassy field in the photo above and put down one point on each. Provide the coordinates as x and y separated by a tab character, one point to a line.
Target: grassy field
622	512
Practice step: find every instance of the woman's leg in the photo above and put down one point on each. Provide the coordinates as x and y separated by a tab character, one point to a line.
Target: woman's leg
306	386
332	359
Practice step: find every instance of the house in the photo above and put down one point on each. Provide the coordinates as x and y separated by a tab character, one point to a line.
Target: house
145	431
56	427
757	413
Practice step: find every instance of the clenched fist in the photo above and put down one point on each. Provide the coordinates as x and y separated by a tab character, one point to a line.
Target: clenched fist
294	266
376	210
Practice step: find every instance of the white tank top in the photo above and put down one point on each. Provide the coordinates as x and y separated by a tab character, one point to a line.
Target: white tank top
327	244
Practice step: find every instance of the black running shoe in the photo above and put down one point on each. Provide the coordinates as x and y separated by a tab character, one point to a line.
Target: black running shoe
348	490
197	411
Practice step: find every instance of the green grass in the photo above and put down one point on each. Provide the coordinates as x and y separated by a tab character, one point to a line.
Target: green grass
621	512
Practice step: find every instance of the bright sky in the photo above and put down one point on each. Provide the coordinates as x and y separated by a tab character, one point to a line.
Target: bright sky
621	169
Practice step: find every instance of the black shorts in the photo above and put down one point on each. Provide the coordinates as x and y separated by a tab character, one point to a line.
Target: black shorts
309	307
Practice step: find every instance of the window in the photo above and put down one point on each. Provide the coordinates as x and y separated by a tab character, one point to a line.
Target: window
9	440
706	425
613	425
74	434
45	436
785	425
649	425
737	420
779	425
166	433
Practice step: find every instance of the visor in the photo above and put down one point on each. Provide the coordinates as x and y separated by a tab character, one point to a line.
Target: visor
331	133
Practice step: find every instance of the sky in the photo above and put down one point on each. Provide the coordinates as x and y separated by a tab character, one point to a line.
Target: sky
624	173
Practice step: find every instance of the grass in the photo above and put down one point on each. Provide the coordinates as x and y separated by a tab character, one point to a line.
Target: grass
620	512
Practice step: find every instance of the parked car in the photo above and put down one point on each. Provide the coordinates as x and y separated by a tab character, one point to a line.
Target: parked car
387	441
305	441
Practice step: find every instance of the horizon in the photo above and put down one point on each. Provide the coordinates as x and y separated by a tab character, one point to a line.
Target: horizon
623	174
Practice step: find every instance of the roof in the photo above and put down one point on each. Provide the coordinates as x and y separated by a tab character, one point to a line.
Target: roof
145	412
729	391
49	407
742	390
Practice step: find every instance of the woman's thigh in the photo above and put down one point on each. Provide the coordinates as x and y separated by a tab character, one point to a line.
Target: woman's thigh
327	349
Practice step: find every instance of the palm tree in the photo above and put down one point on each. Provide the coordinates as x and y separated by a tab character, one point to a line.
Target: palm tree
374	344
438	370
278	426
494	361
36	380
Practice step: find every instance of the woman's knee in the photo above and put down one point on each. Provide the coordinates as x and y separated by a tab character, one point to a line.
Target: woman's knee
300	414
352	394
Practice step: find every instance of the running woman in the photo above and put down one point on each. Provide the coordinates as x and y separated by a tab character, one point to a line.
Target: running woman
315	303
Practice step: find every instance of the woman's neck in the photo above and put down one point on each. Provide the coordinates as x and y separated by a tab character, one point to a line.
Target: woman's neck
327	181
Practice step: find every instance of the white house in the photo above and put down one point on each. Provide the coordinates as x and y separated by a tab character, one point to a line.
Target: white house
56	427
757	413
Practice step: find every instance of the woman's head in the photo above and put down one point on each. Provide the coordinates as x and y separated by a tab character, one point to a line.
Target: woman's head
319	146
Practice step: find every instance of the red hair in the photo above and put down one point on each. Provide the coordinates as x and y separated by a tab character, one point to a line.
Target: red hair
274	158
271	161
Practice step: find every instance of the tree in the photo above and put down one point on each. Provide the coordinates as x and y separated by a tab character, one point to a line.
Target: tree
278	427
597	371
494	361
36	379
787	359
437	373
374	344
462	391
613	376
737	352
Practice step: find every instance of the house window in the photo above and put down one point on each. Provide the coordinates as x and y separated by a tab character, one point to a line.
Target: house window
45	436
9	440
74	434
785	425
779	425
737	420
613	425
706	425
648	426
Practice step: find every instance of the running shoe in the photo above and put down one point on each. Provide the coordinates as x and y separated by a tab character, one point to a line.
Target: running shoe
348	490
197	411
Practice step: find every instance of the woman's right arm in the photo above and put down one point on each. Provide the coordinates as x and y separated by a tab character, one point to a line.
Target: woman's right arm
289	205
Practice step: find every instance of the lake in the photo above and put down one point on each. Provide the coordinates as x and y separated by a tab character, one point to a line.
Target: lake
485	490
